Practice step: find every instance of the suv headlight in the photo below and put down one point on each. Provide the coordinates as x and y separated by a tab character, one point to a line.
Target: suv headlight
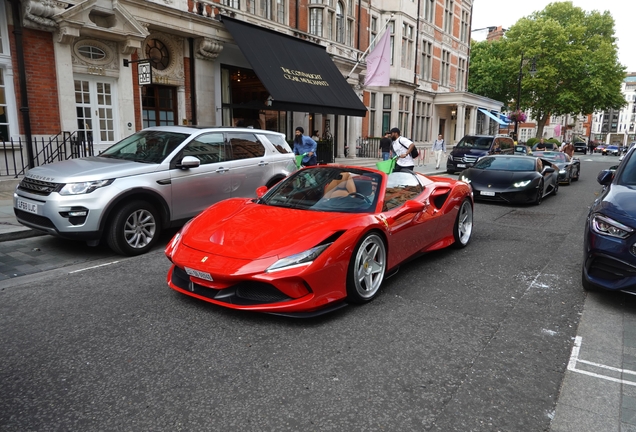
609	227
84	187
299	259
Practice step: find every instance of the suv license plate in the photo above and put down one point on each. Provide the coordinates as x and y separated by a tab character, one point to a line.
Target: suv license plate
487	193
461	165
27	206
199	274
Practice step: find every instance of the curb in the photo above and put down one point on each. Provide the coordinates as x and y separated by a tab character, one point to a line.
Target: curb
20	234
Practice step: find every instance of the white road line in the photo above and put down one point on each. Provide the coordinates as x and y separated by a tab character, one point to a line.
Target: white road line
93	267
574	358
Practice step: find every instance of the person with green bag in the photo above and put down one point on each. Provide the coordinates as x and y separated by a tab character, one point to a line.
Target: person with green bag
306	147
402	147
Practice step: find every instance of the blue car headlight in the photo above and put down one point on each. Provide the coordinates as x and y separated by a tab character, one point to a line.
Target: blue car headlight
607	226
522	183
300	259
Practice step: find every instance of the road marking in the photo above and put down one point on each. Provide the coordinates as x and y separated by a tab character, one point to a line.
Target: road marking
574	359
93	267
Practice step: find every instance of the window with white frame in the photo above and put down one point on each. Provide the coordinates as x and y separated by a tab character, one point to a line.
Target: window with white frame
329	26
407	45
386	112
231	3
429	10
340	23
8	108
280	11
374	31
251	6
350	32
464	34
266	9
461	75
448	16
422	121
315	21
427	60
403	112
445	72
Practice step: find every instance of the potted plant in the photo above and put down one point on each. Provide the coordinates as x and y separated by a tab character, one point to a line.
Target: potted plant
517	116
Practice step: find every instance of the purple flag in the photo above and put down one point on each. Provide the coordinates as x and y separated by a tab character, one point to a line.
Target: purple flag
557	130
379	63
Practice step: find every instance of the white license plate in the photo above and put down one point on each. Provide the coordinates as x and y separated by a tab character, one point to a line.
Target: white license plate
27	206
199	274
487	193
461	165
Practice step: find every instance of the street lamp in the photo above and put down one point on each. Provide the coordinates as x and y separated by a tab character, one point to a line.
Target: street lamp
532	71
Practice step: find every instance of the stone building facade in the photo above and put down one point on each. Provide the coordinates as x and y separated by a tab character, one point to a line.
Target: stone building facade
68	58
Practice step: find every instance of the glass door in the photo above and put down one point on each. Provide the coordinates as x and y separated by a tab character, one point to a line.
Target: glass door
94	104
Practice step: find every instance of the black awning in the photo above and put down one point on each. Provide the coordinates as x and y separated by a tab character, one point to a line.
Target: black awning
299	75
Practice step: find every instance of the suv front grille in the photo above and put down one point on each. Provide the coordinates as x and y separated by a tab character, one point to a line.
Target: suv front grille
39	187
34	219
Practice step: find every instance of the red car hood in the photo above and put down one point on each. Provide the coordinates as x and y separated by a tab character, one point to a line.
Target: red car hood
239	228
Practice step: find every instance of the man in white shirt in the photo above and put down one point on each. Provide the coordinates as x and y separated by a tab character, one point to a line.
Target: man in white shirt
402	147
439	149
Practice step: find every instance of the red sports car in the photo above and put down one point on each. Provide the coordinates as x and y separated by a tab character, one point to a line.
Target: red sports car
324	237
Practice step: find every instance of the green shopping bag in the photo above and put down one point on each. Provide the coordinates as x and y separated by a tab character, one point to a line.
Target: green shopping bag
387	166
299	160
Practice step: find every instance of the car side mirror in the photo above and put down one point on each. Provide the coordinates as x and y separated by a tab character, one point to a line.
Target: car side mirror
189	162
548	170
411	206
260	191
605	177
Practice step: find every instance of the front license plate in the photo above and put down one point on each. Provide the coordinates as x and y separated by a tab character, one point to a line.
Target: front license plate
487	193
461	165
199	274
27	206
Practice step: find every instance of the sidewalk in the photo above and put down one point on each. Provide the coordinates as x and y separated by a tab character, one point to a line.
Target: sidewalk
10	229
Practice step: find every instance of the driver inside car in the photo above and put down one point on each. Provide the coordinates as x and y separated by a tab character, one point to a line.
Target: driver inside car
340	187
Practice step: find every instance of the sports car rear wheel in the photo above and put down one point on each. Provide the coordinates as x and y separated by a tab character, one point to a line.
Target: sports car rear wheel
463	228
366	269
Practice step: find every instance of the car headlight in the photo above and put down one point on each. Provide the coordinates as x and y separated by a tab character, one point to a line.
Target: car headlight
464	178
299	259
562	171
609	227
522	183
84	187
450	156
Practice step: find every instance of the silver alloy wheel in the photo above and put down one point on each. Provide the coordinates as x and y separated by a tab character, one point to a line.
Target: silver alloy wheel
369	266
140	228
465	222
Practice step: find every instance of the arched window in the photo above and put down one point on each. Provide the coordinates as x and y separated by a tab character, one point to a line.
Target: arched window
340	23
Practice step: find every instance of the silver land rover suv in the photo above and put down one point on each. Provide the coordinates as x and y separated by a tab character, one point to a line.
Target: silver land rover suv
156	178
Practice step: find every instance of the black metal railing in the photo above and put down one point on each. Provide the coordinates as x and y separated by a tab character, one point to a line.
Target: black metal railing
14	160
366	148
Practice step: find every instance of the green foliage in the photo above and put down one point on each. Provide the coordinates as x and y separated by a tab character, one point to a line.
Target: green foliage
576	60
554	141
532	141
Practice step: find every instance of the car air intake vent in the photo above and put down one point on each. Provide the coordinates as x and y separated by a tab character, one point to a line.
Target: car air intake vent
610	269
39	187
260	293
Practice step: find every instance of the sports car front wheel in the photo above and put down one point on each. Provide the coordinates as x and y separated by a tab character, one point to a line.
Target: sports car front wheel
463	228
366	269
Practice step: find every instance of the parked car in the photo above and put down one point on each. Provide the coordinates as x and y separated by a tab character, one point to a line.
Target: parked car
512	179
611	150
358	225
472	147
569	168
521	150
599	148
580	147
154	179
610	231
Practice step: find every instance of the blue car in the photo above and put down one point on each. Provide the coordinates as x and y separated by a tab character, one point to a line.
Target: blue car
610	232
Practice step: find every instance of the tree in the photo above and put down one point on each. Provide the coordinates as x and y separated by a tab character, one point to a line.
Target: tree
575	56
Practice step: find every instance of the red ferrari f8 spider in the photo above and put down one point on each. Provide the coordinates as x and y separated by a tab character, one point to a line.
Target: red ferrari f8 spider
324	237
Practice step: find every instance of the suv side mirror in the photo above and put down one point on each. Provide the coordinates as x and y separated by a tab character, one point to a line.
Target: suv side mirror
189	162
605	177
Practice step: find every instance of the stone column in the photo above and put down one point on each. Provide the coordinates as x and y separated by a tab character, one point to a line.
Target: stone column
461	129
65	84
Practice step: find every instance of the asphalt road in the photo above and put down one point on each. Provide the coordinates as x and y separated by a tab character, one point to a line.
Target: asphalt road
469	340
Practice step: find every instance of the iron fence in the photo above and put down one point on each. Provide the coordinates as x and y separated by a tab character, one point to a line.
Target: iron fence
14	159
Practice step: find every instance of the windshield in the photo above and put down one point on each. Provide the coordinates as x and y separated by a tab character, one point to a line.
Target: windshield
146	146
327	189
553	156
520	163
482	143
628	176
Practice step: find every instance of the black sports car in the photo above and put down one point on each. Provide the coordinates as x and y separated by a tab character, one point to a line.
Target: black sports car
512	178
569	168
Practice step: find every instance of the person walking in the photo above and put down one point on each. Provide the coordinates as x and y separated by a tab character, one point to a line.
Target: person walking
439	150
307	146
402	147
385	146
